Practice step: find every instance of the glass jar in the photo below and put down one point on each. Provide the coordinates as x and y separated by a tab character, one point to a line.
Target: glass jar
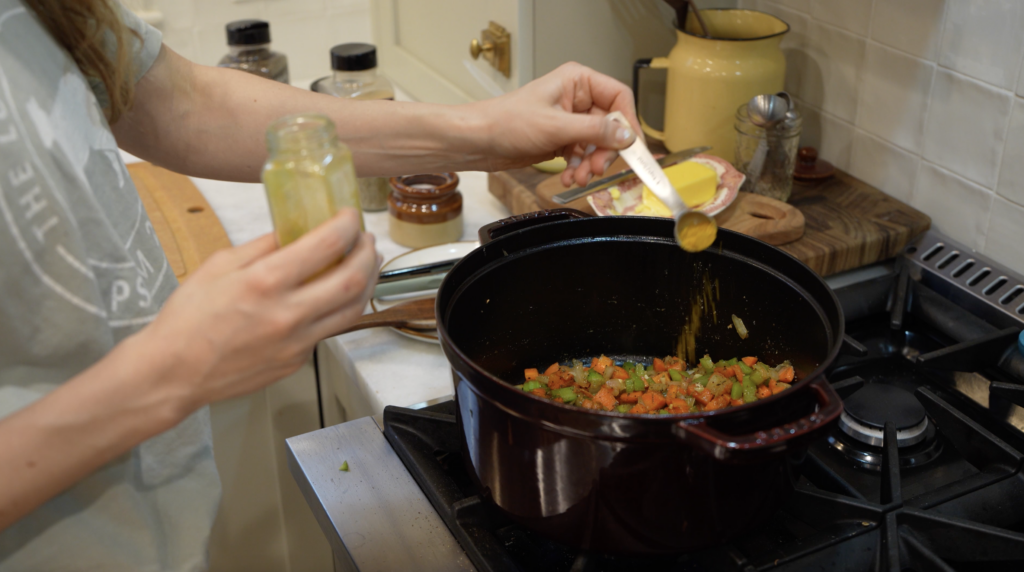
424	210
249	51
308	175
767	156
355	77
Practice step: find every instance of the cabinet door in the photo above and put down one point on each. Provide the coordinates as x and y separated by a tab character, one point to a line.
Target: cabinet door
424	46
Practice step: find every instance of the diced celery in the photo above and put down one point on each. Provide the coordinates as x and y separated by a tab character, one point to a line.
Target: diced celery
746	369
650	369
531	385
630	385
624	408
567	394
737	391
756	377
749	390
707	364
733	361
542	379
594	377
629	366
675	375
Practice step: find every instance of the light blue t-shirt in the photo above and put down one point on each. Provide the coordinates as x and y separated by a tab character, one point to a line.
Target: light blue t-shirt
80	270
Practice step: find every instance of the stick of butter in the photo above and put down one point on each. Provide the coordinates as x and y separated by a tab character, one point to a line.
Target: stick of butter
695	183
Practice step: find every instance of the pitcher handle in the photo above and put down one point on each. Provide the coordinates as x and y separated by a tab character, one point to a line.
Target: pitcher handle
652	63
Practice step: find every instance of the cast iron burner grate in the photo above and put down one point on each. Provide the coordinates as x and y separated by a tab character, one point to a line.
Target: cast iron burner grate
975	522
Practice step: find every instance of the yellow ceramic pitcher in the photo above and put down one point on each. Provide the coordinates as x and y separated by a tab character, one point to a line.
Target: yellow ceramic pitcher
708	78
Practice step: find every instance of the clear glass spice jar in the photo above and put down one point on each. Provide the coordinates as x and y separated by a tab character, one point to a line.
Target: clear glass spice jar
249	45
425	210
308	175
767	156
355	77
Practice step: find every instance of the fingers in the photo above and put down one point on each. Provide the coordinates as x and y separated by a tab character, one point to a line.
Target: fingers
347	286
314	251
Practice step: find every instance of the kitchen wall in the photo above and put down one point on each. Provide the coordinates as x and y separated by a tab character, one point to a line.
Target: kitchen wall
304	30
921	98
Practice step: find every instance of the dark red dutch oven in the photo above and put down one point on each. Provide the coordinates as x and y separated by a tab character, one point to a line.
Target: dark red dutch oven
557	285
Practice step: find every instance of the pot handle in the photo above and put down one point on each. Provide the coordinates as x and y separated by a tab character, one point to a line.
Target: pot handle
499	228
761	445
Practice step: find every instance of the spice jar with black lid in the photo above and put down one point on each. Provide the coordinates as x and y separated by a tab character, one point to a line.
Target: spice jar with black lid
249	45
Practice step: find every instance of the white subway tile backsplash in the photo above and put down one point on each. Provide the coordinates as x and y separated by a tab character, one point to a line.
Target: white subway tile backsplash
796	38
212	43
959	209
894	96
224	11
832	136
883	165
966	127
913	26
307	45
801	5
852	15
1011	170
178	14
278	10
828	70
1004	240
982	38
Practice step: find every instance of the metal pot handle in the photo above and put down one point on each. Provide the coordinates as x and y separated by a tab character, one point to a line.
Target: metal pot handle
761	445
499	228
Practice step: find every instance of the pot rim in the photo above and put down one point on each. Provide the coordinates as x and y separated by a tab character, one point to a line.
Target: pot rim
649	419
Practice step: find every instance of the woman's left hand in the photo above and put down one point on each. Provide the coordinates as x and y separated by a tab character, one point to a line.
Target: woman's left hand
560	114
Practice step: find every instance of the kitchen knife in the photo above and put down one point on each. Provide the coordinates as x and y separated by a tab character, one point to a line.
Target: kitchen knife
601	184
413	278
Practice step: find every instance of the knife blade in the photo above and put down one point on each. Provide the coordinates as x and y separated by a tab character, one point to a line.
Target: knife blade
601	184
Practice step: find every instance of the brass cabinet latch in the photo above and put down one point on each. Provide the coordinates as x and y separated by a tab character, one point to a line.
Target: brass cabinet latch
495	44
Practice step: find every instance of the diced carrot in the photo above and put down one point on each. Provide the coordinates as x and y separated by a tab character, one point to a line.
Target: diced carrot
605	360
718	402
620	373
724	371
593	363
727	388
588	404
771	384
583	392
630	397
539	392
736	402
675	363
551	369
605	398
661	378
653	401
786	374
558	400
674	390
737	373
557	382
750	361
531	374
778	389
677	401
659	365
638	408
705	397
679	409
763	391
692	390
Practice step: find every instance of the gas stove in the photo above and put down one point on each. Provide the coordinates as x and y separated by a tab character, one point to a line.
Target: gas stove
925	470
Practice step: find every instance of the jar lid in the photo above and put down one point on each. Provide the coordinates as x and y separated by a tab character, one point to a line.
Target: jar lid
426	187
248	32
353	57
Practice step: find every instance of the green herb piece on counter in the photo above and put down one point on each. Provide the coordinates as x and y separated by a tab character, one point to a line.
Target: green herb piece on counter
594	377
675	375
567	394
344	467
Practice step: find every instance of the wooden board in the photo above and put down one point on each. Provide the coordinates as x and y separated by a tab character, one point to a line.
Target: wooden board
847	223
767	219
187	227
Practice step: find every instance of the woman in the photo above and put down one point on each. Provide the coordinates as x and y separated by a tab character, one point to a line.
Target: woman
105	368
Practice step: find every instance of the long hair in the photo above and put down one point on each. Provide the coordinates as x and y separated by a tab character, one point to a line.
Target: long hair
88	29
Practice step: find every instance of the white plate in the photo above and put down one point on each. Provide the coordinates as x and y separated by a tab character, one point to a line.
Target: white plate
419	257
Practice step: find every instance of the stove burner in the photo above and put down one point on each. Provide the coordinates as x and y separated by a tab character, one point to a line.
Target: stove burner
926	449
867	411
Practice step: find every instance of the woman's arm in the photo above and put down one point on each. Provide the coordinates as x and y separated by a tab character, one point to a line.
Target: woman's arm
210	122
245	319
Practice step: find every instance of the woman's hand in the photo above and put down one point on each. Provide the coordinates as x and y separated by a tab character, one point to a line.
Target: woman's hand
251	315
560	114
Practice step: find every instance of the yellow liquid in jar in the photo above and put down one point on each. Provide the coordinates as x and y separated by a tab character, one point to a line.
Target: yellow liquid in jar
304	192
696	231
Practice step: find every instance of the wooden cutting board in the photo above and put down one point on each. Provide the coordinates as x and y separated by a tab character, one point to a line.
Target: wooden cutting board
847	223
187	227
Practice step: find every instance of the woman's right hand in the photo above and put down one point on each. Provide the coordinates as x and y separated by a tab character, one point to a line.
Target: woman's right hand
251	315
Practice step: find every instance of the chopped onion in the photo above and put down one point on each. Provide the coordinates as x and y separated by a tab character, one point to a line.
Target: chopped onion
617	384
740	328
577	372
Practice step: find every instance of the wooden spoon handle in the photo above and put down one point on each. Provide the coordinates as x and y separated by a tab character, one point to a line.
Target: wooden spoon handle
412	313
